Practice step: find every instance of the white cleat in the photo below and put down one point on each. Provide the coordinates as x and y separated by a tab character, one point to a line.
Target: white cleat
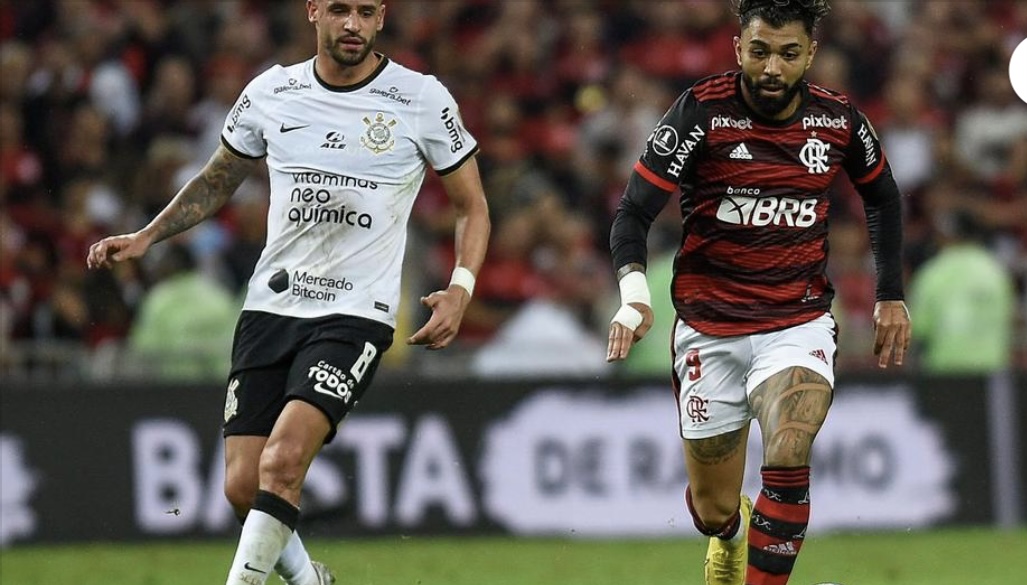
324	574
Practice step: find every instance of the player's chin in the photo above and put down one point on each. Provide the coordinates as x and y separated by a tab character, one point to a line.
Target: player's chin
348	54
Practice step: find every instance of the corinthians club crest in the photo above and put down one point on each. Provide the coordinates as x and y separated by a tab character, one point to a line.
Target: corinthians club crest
378	138
231	401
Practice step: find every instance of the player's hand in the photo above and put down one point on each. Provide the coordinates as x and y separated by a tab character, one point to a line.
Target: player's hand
112	249
622	337
447	310
892	331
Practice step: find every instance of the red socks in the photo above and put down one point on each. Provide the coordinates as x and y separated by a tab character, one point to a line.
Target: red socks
778	526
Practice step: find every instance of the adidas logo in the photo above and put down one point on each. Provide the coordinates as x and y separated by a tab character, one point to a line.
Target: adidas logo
785	548
741	152
819	354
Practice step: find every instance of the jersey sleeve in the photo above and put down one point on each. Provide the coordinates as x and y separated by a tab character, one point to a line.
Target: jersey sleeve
673	147
442	137
864	158
243	132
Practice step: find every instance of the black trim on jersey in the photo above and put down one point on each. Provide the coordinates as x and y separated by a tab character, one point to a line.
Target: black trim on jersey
348	88
882	204
237	153
458	164
638	208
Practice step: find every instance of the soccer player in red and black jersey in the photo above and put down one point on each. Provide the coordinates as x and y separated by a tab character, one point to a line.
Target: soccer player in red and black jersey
753	154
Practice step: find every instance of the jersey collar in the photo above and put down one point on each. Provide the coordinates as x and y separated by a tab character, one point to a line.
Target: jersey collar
382	62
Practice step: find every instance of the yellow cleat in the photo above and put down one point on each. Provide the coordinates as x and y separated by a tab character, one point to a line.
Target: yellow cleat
726	560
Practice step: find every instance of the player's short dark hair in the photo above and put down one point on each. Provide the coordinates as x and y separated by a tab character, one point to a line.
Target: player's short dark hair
778	13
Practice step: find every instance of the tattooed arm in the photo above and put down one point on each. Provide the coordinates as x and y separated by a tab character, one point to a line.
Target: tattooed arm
199	199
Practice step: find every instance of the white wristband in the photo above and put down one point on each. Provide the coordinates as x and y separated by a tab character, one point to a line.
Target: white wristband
634	289
463	278
628	316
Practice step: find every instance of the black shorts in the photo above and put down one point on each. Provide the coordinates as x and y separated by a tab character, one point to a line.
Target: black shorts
328	362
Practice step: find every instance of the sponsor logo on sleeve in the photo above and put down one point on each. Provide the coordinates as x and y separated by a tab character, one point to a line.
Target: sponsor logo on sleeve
684	150
455	130
241	106
664	140
868	137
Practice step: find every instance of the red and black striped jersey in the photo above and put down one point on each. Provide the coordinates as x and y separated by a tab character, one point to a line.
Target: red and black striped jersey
754	198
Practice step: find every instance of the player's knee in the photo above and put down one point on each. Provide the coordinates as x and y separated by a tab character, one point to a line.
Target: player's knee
789	449
240	494
281	466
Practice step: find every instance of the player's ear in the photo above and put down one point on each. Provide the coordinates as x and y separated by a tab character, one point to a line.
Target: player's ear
381	17
738	50
812	52
311	10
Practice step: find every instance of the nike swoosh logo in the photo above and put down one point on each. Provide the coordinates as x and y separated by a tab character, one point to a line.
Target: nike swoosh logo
249	568
285	128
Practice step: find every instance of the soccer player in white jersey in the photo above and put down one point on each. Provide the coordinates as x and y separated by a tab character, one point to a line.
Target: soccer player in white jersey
347	136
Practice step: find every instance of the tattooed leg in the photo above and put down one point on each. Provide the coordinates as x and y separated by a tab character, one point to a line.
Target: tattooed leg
715	468
790	407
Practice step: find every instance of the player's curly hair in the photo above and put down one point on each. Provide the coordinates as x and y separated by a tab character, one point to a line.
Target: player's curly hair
777	13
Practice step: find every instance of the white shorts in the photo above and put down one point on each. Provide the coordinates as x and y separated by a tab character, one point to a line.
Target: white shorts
716	375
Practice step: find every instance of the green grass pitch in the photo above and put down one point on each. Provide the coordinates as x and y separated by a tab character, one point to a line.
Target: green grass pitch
944	557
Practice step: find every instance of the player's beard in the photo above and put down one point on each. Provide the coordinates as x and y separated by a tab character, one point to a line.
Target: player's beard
349	58
770	106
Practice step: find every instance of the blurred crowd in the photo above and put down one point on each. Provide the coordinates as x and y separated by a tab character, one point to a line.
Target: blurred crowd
108	106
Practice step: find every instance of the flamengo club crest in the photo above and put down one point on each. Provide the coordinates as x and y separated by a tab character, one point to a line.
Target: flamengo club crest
378	137
698	409
814	156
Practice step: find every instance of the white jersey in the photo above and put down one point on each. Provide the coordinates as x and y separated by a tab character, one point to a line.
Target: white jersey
346	164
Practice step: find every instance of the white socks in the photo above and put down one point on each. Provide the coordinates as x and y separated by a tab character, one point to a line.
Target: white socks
294	564
260	545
